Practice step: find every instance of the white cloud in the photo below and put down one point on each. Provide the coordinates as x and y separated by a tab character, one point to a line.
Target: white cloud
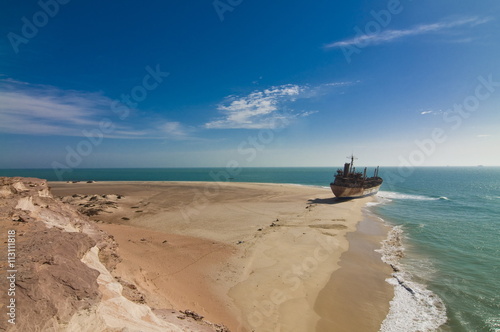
392	35
431	112
45	110
267	108
35	109
259	109
175	130
307	113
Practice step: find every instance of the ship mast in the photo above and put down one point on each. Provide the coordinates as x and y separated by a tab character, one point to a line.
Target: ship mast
352	157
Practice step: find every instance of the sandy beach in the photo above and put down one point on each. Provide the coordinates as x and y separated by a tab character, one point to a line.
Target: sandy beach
254	257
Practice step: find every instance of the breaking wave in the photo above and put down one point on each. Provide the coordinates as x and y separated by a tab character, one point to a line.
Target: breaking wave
413	308
369	204
395	195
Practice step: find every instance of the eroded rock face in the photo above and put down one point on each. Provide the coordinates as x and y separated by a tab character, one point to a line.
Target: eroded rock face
52	283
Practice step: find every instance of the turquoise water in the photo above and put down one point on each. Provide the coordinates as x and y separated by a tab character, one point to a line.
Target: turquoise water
450	218
310	176
451	223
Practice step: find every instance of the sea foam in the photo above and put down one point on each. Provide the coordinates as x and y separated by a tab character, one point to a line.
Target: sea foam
395	195
413	308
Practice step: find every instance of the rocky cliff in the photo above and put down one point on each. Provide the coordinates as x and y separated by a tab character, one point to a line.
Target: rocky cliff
55	269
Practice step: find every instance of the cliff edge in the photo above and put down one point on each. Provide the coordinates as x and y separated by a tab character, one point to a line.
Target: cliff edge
55	270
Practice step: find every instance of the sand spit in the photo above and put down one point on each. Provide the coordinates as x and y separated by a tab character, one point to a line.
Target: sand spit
59	271
254	256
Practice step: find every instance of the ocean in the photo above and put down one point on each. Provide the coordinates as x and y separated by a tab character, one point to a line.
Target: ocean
446	219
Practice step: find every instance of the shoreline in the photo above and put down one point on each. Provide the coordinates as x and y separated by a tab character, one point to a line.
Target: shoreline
273	249
358	290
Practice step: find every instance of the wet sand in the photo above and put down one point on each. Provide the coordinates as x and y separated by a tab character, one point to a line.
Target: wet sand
357	294
263	257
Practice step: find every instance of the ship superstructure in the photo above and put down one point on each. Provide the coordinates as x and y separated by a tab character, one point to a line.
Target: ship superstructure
351	184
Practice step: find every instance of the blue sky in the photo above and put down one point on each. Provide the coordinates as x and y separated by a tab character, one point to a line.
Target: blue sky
257	83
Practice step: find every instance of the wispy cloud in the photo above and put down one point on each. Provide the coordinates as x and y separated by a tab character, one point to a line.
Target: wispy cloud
46	110
267	108
393	35
176	131
34	109
257	110
430	112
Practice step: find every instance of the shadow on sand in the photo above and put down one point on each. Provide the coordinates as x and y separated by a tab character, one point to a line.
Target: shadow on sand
332	200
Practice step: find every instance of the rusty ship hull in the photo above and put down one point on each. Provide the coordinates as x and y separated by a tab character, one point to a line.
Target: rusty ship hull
346	192
351	184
